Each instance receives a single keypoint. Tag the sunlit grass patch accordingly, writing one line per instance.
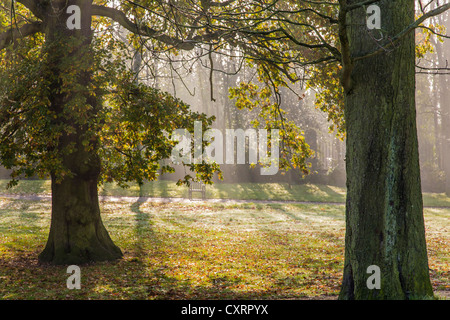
(437, 222)
(240, 191)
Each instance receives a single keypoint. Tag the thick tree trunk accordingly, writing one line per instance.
(384, 210)
(77, 234)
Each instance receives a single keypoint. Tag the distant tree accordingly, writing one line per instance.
(441, 71)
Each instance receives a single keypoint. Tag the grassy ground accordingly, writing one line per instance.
(242, 191)
(199, 251)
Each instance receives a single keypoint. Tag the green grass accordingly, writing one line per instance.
(26, 187)
(198, 251)
(164, 188)
(239, 191)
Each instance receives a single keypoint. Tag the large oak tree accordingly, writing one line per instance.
(70, 108)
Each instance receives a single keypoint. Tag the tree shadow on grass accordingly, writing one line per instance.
(165, 287)
(331, 195)
(143, 228)
(281, 208)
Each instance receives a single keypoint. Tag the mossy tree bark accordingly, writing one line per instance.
(384, 210)
(77, 234)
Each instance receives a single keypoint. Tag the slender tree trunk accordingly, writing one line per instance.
(444, 101)
(384, 210)
(77, 234)
(445, 129)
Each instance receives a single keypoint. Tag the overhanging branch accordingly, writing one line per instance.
(7, 37)
(120, 17)
(35, 6)
(143, 30)
(392, 41)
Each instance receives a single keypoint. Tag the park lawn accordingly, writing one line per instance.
(198, 250)
(239, 191)
(169, 189)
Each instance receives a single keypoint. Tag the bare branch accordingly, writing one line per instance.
(120, 17)
(434, 32)
(221, 4)
(143, 30)
(321, 3)
(434, 70)
(411, 27)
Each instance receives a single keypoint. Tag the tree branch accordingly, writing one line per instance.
(434, 70)
(7, 37)
(143, 30)
(120, 17)
(346, 59)
(411, 27)
(359, 4)
(35, 6)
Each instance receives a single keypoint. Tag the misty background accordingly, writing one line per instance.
(190, 79)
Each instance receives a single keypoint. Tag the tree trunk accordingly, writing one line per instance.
(445, 129)
(77, 234)
(384, 210)
(444, 102)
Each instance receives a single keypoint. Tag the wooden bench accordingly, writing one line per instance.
(197, 186)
